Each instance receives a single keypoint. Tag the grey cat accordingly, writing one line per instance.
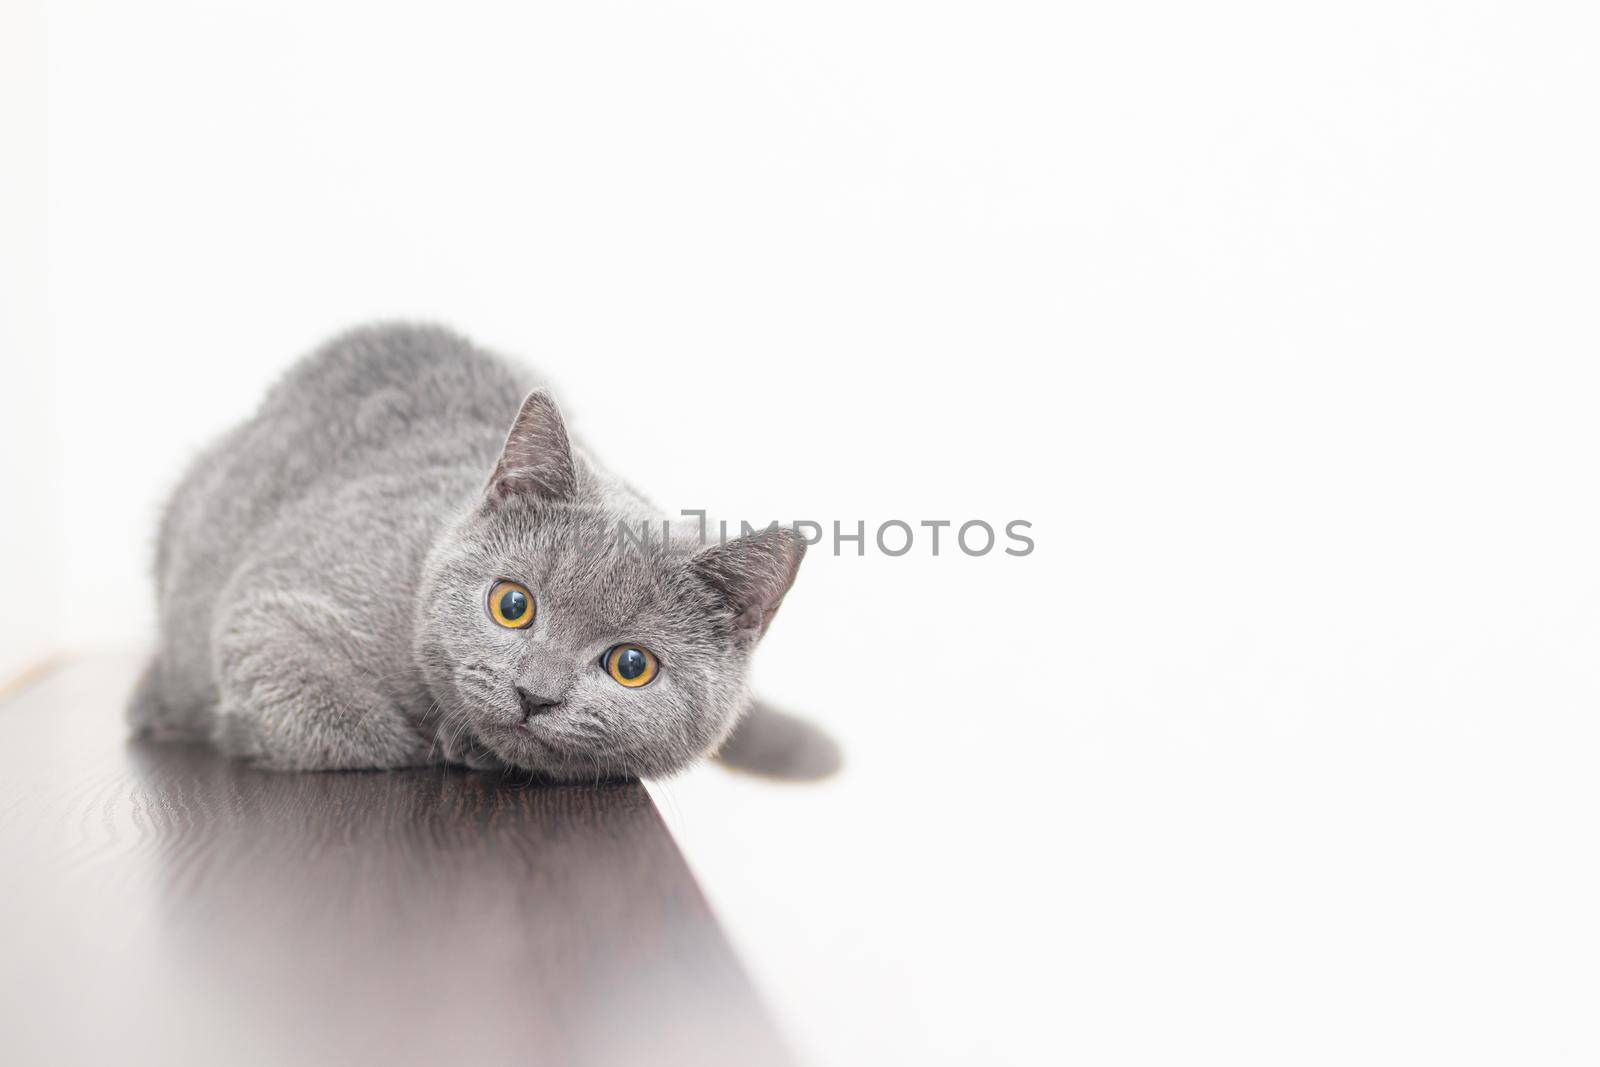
(371, 573)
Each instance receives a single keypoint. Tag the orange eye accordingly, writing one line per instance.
(631, 665)
(511, 605)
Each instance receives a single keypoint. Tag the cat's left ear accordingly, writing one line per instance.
(752, 574)
(537, 459)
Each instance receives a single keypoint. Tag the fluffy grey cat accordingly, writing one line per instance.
(370, 572)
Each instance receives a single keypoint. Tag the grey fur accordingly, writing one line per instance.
(322, 572)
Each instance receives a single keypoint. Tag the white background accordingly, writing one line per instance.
(1278, 322)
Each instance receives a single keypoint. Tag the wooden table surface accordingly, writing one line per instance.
(161, 905)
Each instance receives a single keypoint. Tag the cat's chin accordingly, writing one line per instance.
(520, 747)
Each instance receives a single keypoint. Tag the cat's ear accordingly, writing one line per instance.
(536, 460)
(751, 574)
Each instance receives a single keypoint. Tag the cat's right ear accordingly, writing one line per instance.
(536, 460)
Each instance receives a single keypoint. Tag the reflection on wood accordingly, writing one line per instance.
(163, 904)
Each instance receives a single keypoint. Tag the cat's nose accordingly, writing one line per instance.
(534, 704)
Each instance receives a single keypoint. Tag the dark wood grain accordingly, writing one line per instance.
(162, 905)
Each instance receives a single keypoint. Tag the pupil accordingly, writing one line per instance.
(630, 663)
(513, 605)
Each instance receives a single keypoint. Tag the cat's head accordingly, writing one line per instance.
(561, 648)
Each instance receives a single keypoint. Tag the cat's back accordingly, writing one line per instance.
(374, 401)
(376, 378)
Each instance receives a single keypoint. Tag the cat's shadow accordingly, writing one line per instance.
(781, 746)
